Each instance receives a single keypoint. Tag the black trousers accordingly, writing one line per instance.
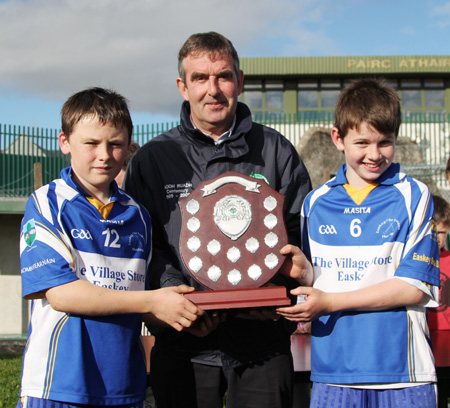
(181, 384)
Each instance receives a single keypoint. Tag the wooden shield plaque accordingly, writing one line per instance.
(232, 232)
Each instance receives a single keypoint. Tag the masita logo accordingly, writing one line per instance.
(327, 229)
(357, 210)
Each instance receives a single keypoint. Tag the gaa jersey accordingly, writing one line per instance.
(390, 233)
(95, 360)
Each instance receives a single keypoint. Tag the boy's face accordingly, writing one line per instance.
(442, 232)
(97, 154)
(368, 153)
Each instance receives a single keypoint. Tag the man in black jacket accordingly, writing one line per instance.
(250, 358)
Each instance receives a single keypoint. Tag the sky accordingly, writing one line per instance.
(50, 49)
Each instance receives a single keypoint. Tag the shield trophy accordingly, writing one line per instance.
(231, 235)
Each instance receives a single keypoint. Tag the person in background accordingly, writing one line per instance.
(439, 318)
(370, 235)
(447, 176)
(250, 358)
(131, 151)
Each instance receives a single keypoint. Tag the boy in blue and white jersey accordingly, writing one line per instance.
(371, 238)
(85, 249)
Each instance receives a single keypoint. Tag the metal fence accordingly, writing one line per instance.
(22, 147)
(429, 130)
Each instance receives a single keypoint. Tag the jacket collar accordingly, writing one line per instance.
(242, 126)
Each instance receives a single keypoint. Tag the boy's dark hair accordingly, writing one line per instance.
(105, 105)
(211, 43)
(441, 210)
(368, 100)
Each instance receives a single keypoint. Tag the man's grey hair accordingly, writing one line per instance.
(213, 44)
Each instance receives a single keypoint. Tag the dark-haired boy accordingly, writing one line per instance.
(85, 249)
(375, 263)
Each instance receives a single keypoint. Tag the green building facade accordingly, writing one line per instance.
(308, 87)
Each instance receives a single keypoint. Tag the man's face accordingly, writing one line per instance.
(212, 89)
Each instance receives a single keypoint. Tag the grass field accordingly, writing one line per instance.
(10, 367)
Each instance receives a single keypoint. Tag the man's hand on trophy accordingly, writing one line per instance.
(297, 265)
(258, 314)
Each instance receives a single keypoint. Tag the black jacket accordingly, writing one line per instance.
(168, 168)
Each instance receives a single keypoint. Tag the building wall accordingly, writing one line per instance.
(9, 244)
(14, 309)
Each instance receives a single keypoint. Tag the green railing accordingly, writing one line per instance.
(22, 148)
(27, 151)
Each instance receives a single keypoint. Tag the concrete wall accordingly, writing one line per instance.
(14, 316)
(9, 244)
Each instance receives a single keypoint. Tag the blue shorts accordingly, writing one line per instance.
(30, 402)
(329, 396)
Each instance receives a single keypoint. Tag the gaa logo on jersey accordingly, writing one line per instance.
(81, 234)
(327, 229)
(29, 232)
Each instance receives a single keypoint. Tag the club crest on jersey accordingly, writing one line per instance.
(137, 242)
(388, 228)
(29, 232)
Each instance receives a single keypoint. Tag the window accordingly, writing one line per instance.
(411, 99)
(422, 94)
(253, 99)
(265, 99)
(274, 100)
(329, 98)
(317, 94)
(434, 98)
(434, 93)
(308, 99)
